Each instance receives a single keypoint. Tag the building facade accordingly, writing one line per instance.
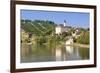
(61, 28)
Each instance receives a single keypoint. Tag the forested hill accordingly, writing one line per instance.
(38, 27)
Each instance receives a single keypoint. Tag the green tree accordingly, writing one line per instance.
(83, 38)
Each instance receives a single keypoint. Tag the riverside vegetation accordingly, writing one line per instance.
(43, 32)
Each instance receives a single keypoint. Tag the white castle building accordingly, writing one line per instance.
(59, 29)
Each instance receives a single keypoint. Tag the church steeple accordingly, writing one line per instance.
(64, 22)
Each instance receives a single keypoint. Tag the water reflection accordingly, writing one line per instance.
(43, 53)
(73, 53)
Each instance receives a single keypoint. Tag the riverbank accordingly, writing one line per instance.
(79, 45)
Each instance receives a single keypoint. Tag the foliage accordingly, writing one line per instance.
(38, 27)
(83, 38)
(44, 32)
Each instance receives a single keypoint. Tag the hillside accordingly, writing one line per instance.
(38, 27)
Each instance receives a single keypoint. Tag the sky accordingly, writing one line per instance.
(74, 19)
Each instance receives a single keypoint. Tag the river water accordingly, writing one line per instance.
(43, 53)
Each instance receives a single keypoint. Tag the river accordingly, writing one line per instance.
(43, 53)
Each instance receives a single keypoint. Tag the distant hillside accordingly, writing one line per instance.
(38, 27)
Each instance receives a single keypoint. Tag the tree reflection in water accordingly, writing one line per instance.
(43, 53)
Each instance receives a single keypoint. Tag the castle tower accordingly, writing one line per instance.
(64, 23)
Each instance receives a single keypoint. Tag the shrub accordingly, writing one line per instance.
(83, 38)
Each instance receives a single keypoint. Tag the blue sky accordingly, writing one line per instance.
(74, 19)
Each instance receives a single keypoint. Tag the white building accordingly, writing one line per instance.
(59, 29)
(70, 41)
